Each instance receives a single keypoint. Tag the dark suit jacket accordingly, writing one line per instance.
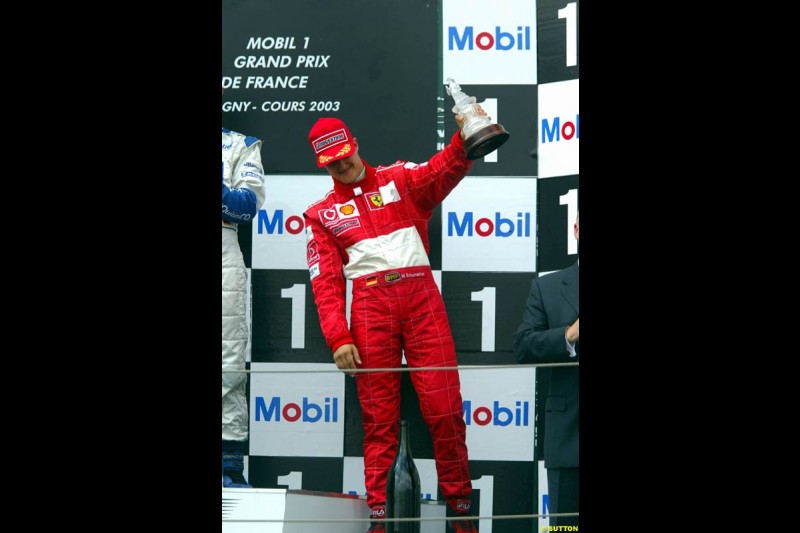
(552, 307)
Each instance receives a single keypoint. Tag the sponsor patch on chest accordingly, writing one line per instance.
(338, 212)
(344, 226)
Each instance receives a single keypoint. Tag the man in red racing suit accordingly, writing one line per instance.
(372, 228)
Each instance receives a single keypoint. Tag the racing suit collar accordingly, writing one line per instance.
(351, 190)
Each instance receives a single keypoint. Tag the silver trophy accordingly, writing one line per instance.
(481, 137)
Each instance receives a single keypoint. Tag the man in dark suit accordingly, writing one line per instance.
(549, 334)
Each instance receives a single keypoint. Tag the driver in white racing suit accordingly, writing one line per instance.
(243, 194)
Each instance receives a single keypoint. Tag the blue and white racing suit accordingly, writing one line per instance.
(243, 194)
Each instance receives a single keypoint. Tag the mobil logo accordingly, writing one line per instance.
(498, 225)
(467, 38)
(557, 128)
(278, 222)
(497, 415)
(278, 409)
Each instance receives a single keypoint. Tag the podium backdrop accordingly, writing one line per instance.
(381, 66)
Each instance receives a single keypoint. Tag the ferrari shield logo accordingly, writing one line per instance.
(376, 199)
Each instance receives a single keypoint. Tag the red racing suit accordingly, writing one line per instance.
(376, 231)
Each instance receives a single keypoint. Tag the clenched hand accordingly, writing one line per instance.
(346, 356)
(573, 332)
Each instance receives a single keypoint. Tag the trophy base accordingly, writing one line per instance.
(485, 141)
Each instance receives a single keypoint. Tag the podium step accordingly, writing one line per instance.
(273, 511)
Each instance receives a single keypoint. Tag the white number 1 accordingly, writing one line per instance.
(487, 296)
(571, 201)
(570, 13)
(297, 293)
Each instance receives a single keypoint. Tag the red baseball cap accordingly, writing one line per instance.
(331, 140)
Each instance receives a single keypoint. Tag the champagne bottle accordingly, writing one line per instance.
(403, 488)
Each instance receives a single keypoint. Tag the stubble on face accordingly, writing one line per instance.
(345, 170)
